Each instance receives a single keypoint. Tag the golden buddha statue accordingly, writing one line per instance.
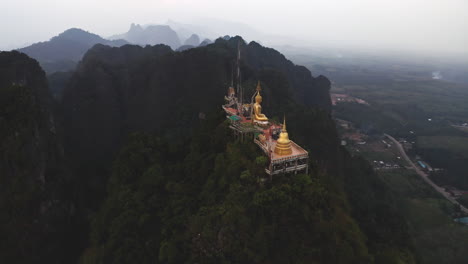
(257, 107)
(283, 144)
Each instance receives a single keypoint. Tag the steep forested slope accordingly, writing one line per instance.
(203, 202)
(160, 178)
(37, 216)
(117, 90)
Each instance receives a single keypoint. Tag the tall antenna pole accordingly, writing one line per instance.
(232, 75)
(239, 88)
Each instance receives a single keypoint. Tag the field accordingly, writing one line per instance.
(406, 100)
(449, 153)
(458, 145)
(437, 238)
(375, 151)
(461, 128)
(422, 112)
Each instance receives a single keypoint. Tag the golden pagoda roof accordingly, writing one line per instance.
(283, 144)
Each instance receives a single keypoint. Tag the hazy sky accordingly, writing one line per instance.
(426, 25)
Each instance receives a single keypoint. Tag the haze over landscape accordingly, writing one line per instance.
(155, 131)
(425, 26)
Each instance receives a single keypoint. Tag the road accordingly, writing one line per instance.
(424, 176)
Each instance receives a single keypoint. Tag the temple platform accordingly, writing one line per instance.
(285, 156)
(296, 162)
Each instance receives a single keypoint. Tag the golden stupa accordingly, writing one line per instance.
(283, 144)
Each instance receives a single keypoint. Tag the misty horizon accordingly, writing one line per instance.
(425, 27)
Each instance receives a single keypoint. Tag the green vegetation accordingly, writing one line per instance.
(213, 207)
(459, 145)
(376, 210)
(152, 174)
(406, 106)
(36, 214)
(463, 200)
(432, 98)
(16, 127)
(422, 111)
(438, 239)
(448, 152)
(403, 98)
(384, 156)
(369, 119)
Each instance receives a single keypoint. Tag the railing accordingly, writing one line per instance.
(285, 170)
(290, 158)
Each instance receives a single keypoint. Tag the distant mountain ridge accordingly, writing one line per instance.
(150, 35)
(193, 40)
(205, 42)
(63, 52)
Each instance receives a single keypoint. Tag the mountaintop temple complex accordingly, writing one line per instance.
(248, 122)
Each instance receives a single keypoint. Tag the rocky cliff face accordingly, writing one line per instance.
(35, 208)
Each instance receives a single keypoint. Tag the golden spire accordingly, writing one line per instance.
(258, 86)
(283, 144)
(284, 123)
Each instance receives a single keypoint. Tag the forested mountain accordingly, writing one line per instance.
(151, 35)
(62, 52)
(37, 213)
(118, 90)
(160, 178)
